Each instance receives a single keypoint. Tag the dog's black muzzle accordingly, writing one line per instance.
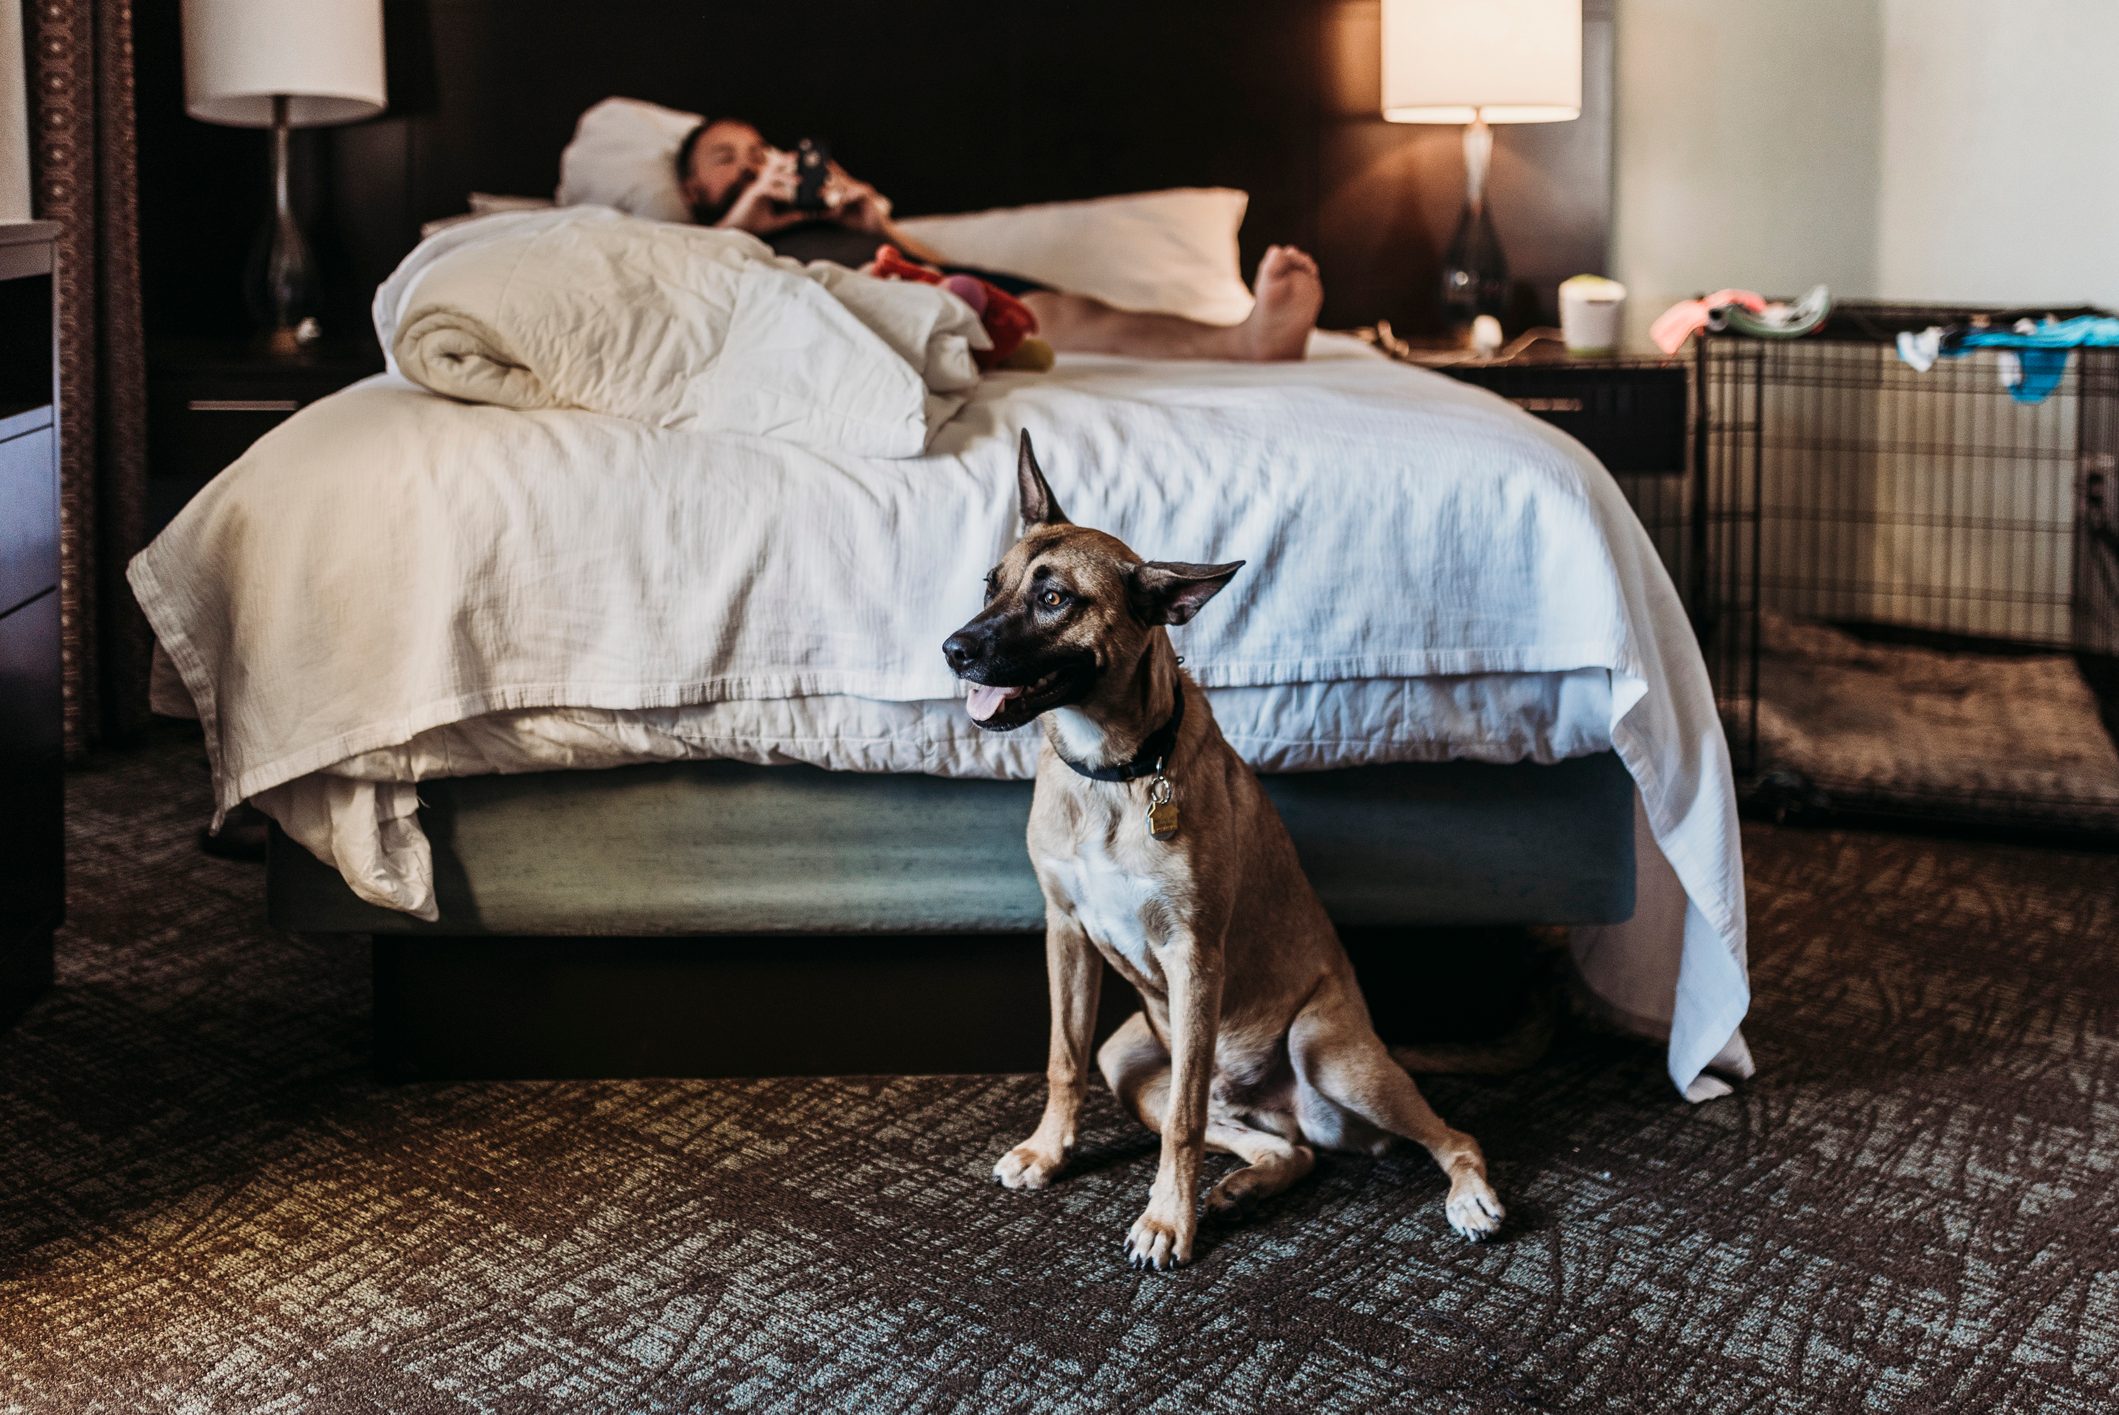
(966, 649)
(991, 652)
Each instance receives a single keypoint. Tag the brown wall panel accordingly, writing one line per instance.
(945, 104)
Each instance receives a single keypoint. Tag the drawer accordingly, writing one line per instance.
(192, 437)
(1632, 419)
(29, 517)
(195, 435)
(32, 825)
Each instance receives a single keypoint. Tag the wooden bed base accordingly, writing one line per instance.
(711, 918)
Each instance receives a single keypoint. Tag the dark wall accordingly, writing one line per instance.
(944, 104)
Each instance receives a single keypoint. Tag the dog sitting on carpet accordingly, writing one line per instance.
(1156, 848)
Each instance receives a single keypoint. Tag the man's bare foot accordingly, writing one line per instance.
(1290, 292)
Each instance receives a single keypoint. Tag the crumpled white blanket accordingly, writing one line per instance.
(677, 327)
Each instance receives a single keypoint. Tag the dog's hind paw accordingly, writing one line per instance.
(1474, 1209)
(1242, 1189)
(1237, 1192)
(1026, 1167)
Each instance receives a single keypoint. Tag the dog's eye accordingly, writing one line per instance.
(1052, 599)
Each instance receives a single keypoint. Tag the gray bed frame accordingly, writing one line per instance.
(714, 918)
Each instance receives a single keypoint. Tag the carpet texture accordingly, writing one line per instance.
(206, 1204)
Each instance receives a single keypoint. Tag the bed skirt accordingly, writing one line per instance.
(719, 919)
(707, 848)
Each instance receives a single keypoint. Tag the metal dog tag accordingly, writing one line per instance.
(1162, 811)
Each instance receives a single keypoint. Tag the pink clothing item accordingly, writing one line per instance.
(1688, 317)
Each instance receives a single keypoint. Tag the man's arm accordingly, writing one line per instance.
(762, 208)
(858, 206)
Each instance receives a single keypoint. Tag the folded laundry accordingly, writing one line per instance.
(1777, 320)
(1688, 317)
(2034, 352)
(1745, 311)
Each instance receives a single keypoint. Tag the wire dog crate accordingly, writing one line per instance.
(1884, 563)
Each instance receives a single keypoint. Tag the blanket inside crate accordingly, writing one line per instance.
(1848, 723)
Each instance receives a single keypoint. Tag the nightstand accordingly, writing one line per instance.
(1633, 411)
(209, 399)
(32, 786)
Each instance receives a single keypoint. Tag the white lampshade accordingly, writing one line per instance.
(326, 56)
(1508, 61)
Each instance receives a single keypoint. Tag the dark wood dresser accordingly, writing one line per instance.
(32, 820)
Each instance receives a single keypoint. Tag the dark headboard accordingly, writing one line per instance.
(947, 105)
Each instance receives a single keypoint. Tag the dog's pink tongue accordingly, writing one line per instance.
(986, 700)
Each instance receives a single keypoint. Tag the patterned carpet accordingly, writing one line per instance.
(206, 1204)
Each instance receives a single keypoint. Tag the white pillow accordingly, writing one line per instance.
(624, 154)
(486, 203)
(1172, 251)
(483, 204)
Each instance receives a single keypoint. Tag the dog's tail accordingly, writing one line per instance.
(1521, 1047)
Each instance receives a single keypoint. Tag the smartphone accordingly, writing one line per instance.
(812, 169)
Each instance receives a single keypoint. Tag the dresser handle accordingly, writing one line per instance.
(1548, 405)
(242, 405)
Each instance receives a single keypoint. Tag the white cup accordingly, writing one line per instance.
(1592, 310)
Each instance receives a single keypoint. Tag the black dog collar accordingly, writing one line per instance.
(1153, 753)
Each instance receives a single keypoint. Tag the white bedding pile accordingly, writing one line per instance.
(388, 563)
(677, 327)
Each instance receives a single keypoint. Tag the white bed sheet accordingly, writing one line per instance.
(388, 562)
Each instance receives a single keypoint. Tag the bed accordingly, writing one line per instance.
(395, 587)
(649, 713)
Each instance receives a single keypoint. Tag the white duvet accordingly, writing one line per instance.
(677, 326)
(388, 563)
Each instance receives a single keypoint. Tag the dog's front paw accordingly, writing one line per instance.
(1029, 1166)
(1474, 1208)
(1159, 1242)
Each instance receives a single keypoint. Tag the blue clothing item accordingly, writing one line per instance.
(2041, 349)
(2031, 375)
(2087, 331)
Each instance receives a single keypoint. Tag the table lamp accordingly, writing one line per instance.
(283, 64)
(1479, 62)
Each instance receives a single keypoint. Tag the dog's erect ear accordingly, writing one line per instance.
(1039, 507)
(1171, 592)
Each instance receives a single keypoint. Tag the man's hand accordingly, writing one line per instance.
(856, 205)
(762, 208)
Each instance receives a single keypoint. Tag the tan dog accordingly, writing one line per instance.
(1157, 849)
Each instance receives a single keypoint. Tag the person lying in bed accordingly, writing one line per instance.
(732, 178)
